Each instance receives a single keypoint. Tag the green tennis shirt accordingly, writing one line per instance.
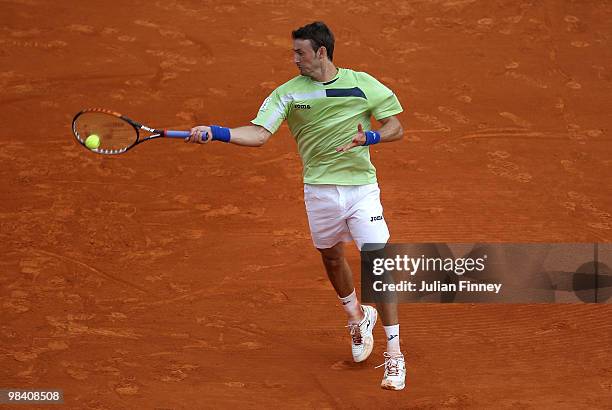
(324, 116)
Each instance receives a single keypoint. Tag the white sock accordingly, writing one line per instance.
(393, 340)
(352, 307)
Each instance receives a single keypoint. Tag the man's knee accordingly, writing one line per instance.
(333, 262)
(333, 257)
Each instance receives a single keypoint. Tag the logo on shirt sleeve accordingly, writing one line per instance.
(264, 105)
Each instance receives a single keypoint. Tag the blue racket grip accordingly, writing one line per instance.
(180, 134)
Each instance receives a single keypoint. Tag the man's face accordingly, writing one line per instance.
(305, 58)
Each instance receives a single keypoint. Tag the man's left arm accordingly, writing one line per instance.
(390, 131)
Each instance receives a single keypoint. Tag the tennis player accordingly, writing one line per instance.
(328, 110)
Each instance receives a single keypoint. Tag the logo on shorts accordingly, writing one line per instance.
(302, 106)
(376, 218)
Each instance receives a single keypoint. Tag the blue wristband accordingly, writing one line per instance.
(372, 137)
(220, 133)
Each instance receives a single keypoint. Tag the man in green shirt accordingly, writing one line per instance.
(328, 110)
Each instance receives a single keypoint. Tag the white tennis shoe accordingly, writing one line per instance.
(362, 340)
(395, 372)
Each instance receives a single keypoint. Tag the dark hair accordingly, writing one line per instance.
(319, 35)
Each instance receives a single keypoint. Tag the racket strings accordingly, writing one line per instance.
(115, 135)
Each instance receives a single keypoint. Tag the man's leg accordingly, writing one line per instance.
(361, 319)
(367, 226)
(325, 209)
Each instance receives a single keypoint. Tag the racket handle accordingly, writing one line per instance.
(176, 134)
(179, 134)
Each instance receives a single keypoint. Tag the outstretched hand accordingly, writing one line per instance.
(358, 140)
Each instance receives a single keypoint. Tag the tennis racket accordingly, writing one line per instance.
(116, 132)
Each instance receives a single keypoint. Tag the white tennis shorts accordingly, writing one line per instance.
(341, 213)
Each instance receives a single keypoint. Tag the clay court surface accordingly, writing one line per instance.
(181, 276)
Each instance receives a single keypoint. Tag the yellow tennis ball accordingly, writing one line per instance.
(92, 142)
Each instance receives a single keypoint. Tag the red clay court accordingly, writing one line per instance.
(181, 276)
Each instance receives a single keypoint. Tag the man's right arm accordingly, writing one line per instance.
(248, 136)
(271, 114)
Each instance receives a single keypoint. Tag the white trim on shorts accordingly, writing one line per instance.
(341, 213)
